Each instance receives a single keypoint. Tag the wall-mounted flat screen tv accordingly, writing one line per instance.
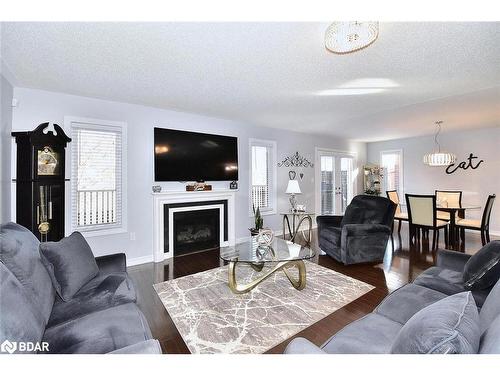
(188, 156)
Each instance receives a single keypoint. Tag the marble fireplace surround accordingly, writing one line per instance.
(171, 197)
(211, 319)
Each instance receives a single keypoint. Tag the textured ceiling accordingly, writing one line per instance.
(269, 74)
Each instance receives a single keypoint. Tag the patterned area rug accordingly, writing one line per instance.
(211, 319)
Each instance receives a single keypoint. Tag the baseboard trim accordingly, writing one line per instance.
(139, 260)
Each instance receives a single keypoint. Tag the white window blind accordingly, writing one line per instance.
(392, 162)
(263, 188)
(96, 177)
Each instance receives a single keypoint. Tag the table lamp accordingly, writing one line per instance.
(292, 189)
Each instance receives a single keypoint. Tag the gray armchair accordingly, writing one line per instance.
(360, 235)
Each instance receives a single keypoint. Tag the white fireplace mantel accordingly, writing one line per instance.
(169, 197)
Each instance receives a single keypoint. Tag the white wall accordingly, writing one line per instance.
(36, 106)
(6, 93)
(476, 184)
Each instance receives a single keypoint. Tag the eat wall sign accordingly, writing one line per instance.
(470, 162)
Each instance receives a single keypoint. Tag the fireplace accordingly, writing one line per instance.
(192, 206)
(196, 230)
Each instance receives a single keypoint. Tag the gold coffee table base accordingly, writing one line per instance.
(297, 284)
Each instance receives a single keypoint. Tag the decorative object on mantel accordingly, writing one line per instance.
(292, 189)
(347, 37)
(438, 158)
(198, 186)
(295, 160)
(258, 220)
(233, 185)
(156, 189)
(452, 168)
(40, 180)
(372, 176)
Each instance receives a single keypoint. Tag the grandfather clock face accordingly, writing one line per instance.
(48, 162)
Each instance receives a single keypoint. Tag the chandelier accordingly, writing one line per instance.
(347, 37)
(439, 159)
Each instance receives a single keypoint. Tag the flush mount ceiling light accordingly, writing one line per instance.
(347, 37)
(438, 158)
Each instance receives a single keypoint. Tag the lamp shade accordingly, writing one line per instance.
(293, 187)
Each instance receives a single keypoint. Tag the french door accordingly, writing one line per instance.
(335, 181)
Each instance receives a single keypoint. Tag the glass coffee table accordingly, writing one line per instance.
(280, 254)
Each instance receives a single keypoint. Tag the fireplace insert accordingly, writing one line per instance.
(196, 230)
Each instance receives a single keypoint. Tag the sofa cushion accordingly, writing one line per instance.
(490, 340)
(441, 279)
(99, 332)
(449, 326)
(448, 282)
(405, 302)
(19, 253)
(102, 292)
(372, 334)
(482, 270)
(19, 319)
(70, 263)
(491, 308)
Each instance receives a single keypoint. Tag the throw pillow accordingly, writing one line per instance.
(482, 270)
(70, 263)
(448, 326)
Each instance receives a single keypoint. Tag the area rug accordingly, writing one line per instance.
(211, 319)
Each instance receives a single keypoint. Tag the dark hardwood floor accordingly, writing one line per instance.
(399, 267)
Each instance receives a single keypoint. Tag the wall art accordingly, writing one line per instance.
(296, 160)
(469, 163)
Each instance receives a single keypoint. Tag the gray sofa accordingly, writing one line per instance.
(361, 235)
(101, 318)
(376, 332)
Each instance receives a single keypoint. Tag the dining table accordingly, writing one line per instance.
(455, 211)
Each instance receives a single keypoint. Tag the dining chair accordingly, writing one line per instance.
(452, 198)
(400, 215)
(422, 216)
(482, 225)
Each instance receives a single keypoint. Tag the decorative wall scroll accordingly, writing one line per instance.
(296, 160)
(469, 163)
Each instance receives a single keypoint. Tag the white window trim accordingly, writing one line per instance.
(99, 125)
(274, 175)
(317, 171)
(401, 191)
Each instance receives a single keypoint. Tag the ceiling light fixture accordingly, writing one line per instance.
(347, 37)
(438, 158)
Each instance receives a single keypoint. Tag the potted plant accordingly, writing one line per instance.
(259, 222)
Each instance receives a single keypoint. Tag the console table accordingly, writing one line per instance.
(298, 217)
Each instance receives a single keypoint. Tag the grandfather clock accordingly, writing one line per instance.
(40, 180)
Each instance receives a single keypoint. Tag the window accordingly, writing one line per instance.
(263, 176)
(97, 175)
(392, 163)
